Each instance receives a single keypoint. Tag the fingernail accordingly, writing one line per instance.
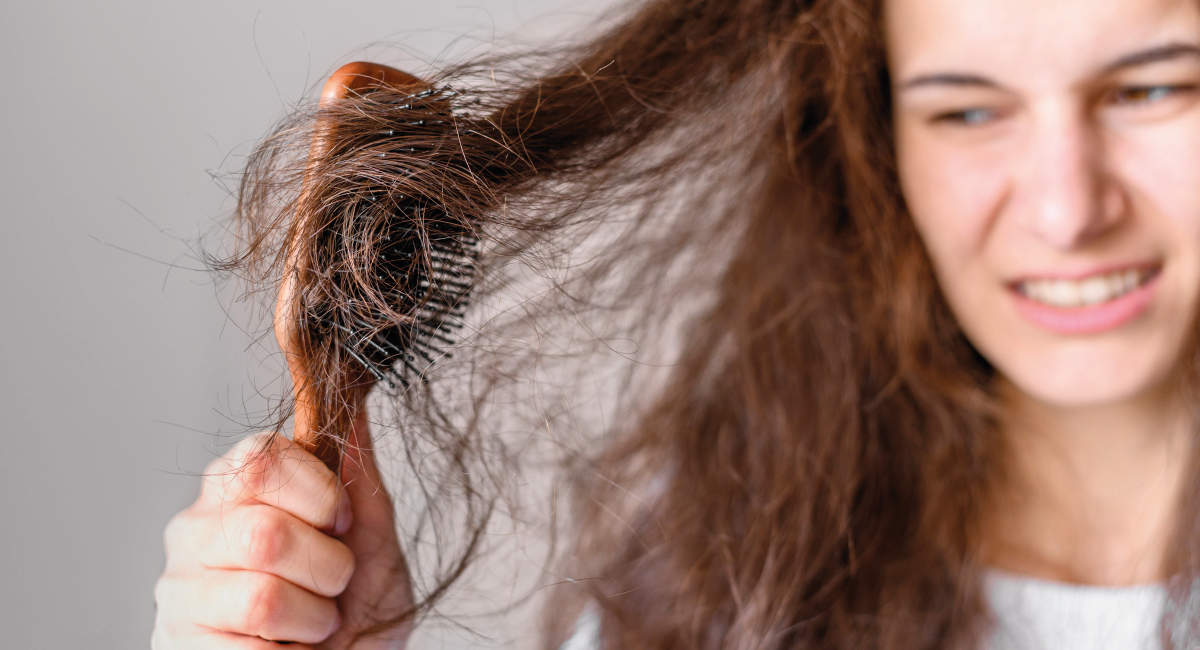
(345, 515)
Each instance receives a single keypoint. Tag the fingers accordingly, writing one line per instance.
(249, 603)
(273, 470)
(248, 563)
(262, 538)
(379, 589)
(226, 641)
(364, 485)
(254, 561)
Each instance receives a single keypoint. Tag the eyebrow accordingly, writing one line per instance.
(949, 79)
(1157, 54)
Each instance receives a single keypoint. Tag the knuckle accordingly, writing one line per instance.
(182, 532)
(221, 481)
(217, 465)
(171, 609)
(259, 602)
(175, 532)
(252, 445)
(328, 499)
(243, 471)
(161, 638)
(162, 594)
(252, 474)
(265, 539)
(347, 562)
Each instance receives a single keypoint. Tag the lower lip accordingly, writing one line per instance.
(1092, 319)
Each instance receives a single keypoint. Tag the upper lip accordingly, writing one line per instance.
(1080, 274)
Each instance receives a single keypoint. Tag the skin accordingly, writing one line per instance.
(1053, 139)
(277, 548)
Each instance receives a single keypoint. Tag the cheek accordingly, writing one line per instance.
(1160, 169)
(953, 195)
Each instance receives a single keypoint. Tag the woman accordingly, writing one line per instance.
(939, 394)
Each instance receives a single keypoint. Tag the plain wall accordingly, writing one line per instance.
(125, 367)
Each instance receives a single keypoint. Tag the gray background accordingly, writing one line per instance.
(124, 369)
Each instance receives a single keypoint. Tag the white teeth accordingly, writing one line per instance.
(1094, 290)
(1087, 291)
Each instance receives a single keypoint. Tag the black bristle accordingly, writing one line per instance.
(426, 261)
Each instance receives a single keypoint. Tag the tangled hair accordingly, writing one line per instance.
(795, 454)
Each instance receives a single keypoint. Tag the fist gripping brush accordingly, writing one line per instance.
(377, 269)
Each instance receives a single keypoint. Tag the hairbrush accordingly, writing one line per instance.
(392, 313)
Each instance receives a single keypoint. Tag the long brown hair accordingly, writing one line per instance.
(806, 469)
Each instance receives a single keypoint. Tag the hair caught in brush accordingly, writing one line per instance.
(412, 212)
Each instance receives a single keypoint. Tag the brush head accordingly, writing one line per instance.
(408, 312)
(379, 269)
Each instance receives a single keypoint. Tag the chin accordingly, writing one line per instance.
(1082, 376)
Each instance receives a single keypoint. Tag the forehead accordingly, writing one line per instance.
(1030, 39)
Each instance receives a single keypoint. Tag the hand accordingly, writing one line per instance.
(276, 548)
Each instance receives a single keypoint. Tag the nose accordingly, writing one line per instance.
(1070, 196)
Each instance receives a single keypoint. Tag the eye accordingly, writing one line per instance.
(968, 117)
(1142, 95)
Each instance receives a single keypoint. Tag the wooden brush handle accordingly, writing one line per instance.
(359, 75)
(351, 79)
(348, 80)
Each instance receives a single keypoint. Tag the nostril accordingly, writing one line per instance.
(1066, 190)
(1070, 213)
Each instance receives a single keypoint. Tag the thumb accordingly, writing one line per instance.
(379, 592)
(369, 498)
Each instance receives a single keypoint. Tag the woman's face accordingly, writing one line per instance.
(1049, 152)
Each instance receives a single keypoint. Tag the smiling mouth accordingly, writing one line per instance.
(1095, 289)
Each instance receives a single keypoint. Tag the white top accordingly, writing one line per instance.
(1033, 615)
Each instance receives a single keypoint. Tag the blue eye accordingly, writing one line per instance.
(1147, 94)
(977, 116)
(969, 117)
